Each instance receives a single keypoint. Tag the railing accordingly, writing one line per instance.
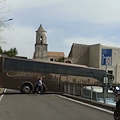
(91, 92)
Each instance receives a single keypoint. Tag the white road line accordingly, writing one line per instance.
(86, 104)
(2, 95)
(4, 90)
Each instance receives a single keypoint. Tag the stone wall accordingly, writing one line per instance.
(94, 56)
(79, 54)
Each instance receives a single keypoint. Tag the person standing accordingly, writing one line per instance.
(40, 85)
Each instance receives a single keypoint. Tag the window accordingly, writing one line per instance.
(41, 39)
(110, 72)
(18, 64)
(60, 69)
(51, 59)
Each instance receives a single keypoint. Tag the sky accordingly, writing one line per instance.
(66, 22)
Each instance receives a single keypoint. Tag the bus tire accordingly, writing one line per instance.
(26, 88)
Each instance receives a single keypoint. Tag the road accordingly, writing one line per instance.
(16, 106)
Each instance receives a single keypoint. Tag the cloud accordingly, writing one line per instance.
(90, 41)
(31, 4)
(92, 11)
(90, 20)
(95, 11)
(23, 38)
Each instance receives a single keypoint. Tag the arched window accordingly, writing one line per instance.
(41, 40)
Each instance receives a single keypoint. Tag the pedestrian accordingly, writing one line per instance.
(40, 85)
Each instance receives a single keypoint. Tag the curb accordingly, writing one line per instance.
(91, 102)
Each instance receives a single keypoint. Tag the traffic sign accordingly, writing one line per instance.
(106, 58)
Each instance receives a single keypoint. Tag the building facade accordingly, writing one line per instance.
(97, 56)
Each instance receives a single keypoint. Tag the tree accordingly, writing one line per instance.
(4, 8)
(11, 53)
(1, 51)
(60, 59)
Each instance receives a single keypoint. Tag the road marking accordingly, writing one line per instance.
(102, 109)
(2, 95)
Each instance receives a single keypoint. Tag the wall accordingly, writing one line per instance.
(91, 55)
(79, 54)
(94, 57)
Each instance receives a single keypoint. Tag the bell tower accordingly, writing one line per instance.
(41, 44)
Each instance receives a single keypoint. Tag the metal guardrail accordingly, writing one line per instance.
(78, 91)
(83, 90)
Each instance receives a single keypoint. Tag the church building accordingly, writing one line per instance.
(41, 48)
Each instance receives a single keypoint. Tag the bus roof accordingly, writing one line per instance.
(67, 64)
(52, 62)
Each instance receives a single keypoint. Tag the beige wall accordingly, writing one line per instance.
(115, 56)
(117, 75)
(94, 57)
(80, 54)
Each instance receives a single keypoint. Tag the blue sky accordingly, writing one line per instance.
(66, 22)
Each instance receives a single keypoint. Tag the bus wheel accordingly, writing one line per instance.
(26, 88)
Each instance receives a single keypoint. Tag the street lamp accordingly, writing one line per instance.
(6, 20)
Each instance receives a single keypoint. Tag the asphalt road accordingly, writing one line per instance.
(16, 106)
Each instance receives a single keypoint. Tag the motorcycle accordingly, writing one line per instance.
(39, 89)
(117, 100)
(116, 114)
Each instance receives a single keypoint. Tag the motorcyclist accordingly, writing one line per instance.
(118, 105)
(117, 109)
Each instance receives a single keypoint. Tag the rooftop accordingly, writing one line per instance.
(55, 54)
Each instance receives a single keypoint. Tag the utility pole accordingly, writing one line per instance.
(105, 88)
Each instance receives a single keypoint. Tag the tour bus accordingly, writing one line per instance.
(22, 74)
